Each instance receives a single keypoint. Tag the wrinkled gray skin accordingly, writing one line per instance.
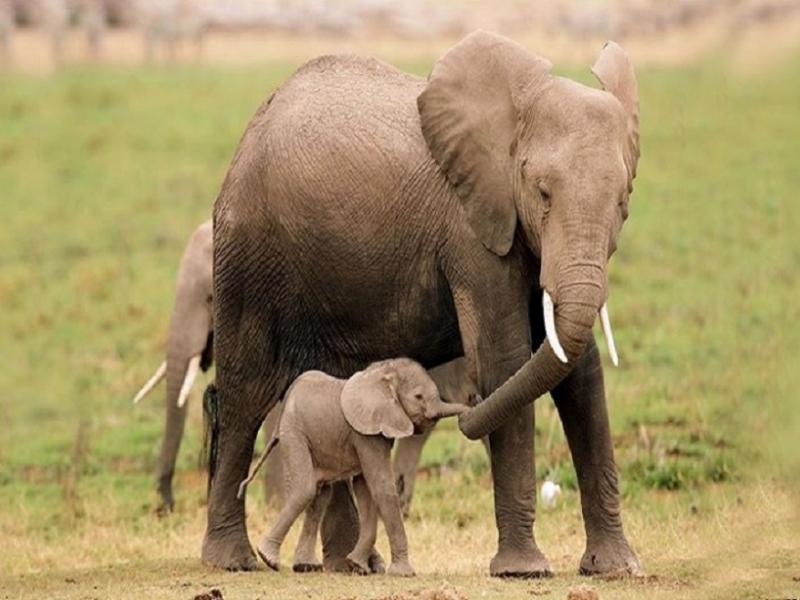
(190, 337)
(334, 430)
(369, 213)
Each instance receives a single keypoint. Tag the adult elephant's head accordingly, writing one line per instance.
(555, 158)
(189, 345)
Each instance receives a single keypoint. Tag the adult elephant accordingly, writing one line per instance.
(369, 214)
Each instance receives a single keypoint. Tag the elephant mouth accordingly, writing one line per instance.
(551, 331)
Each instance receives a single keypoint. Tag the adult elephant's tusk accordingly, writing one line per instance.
(151, 383)
(191, 373)
(550, 327)
(605, 321)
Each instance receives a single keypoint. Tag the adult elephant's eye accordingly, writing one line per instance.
(544, 191)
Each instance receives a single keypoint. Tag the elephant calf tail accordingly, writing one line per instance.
(264, 455)
(243, 486)
(211, 429)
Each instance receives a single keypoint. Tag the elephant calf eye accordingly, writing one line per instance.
(418, 396)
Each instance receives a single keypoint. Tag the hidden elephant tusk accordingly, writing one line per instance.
(151, 383)
(605, 321)
(191, 373)
(550, 327)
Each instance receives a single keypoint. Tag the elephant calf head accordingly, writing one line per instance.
(396, 398)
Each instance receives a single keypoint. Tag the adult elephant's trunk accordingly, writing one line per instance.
(570, 326)
(188, 351)
(177, 368)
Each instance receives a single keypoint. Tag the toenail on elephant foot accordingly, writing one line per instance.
(306, 567)
(226, 551)
(610, 559)
(522, 564)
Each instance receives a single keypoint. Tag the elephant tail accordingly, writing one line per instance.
(264, 455)
(211, 429)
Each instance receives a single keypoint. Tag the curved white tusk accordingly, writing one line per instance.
(191, 373)
(550, 327)
(605, 321)
(151, 383)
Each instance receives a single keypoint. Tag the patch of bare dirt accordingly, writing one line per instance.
(213, 594)
(582, 592)
(445, 592)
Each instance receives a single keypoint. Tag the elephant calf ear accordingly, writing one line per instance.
(371, 407)
(615, 72)
(469, 113)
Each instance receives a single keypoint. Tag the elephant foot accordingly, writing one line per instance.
(528, 563)
(401, 568)
(611, 557)
(230, 551)
(376, 563)
(336, 565)
(358, 564)
(270, 553)
(307, 567)
(305, 561)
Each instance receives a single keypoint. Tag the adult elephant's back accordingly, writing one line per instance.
(336, 198)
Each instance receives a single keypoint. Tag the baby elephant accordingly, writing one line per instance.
(335, 429)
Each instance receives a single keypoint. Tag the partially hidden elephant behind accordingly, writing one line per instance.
(368, 213)
(190, 350)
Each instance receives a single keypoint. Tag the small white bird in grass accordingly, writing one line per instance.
(549, 493)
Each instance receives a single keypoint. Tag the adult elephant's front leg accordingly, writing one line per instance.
(499, 351)
(581, 403)
(514, 475)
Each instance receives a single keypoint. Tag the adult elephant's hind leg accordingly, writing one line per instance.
(226, 544)
(581, 403)
(340, 528)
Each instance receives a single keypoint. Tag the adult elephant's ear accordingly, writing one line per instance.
(469, 113)
(615, 71)
(371, 406)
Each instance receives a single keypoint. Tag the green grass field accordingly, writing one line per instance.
(103, 175)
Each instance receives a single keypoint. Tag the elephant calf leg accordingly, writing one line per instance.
(305, 556)
(301, 489)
